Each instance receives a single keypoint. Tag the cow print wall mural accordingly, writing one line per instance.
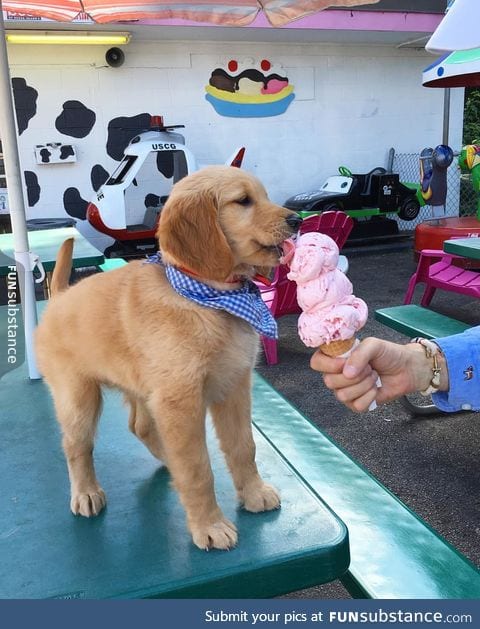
(66, 150)
(123, 129)
(98, 177)
(74, 205)
(76, 120)
(45, 155)
(25, 99)
(33, 188)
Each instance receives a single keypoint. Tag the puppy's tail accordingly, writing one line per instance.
(63, 268)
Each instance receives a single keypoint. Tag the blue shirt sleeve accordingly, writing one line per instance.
(462, 355)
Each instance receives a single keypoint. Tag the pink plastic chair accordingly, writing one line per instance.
(435, 269)
(337, 225)
(281, 295)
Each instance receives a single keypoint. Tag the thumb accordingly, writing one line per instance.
(361, 356)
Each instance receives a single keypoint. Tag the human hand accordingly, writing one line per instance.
(402, 369)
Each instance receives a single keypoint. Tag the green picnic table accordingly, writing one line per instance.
(139, 547)
(46, 243)
(466, 247)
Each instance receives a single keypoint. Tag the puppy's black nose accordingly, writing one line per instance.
(294, 221)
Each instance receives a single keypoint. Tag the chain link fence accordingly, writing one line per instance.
(461, 197)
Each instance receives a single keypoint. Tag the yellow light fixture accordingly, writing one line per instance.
(67, 38)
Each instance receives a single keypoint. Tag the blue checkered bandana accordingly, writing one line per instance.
(245, 302)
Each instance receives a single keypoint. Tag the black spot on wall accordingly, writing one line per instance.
(65, 151)
(98, 177)
(165, 163)
(25, 98)
(75, 120)
(33, 187)
(152, 200)
(45, 155)
(74, 204)
(122, 130)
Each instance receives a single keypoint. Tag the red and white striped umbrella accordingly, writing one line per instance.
(221, 12)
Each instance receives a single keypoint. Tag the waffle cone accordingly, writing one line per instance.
(337, 348)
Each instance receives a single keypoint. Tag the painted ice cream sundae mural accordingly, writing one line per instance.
(249, 89)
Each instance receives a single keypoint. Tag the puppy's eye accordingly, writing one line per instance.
(244, 201)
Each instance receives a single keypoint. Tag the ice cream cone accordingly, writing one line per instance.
(325, 296)
(338, 348)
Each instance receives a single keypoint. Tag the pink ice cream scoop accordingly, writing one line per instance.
(312, 256)
(330, 311)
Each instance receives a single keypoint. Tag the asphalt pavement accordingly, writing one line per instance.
(431, 464)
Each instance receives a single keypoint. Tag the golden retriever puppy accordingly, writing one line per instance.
(172, 357)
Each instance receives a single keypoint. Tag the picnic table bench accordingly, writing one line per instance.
(413, 320)
(141, 544)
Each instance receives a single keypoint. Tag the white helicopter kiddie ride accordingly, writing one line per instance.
(128, 205)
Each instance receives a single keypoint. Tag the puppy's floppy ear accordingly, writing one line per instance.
(190, 234)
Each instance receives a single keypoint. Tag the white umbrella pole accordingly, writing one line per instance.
(23, 258)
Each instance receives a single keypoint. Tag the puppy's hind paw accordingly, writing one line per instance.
(260, 497)
(88, 504)
(221, 534)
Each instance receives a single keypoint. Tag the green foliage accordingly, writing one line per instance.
(471, 116)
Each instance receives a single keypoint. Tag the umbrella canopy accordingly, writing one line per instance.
(458, 34)
(459, 29)
(457, 69)
(220, 12)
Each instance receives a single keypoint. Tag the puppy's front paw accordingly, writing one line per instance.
(221, 534)
(260, 497)
(88, 504)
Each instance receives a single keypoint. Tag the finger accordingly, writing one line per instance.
(326, 364)
(350, 394)
(362, 355)
(338, 380)
(362, 404)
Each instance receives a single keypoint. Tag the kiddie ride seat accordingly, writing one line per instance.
(432, 233)
(376, 193)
